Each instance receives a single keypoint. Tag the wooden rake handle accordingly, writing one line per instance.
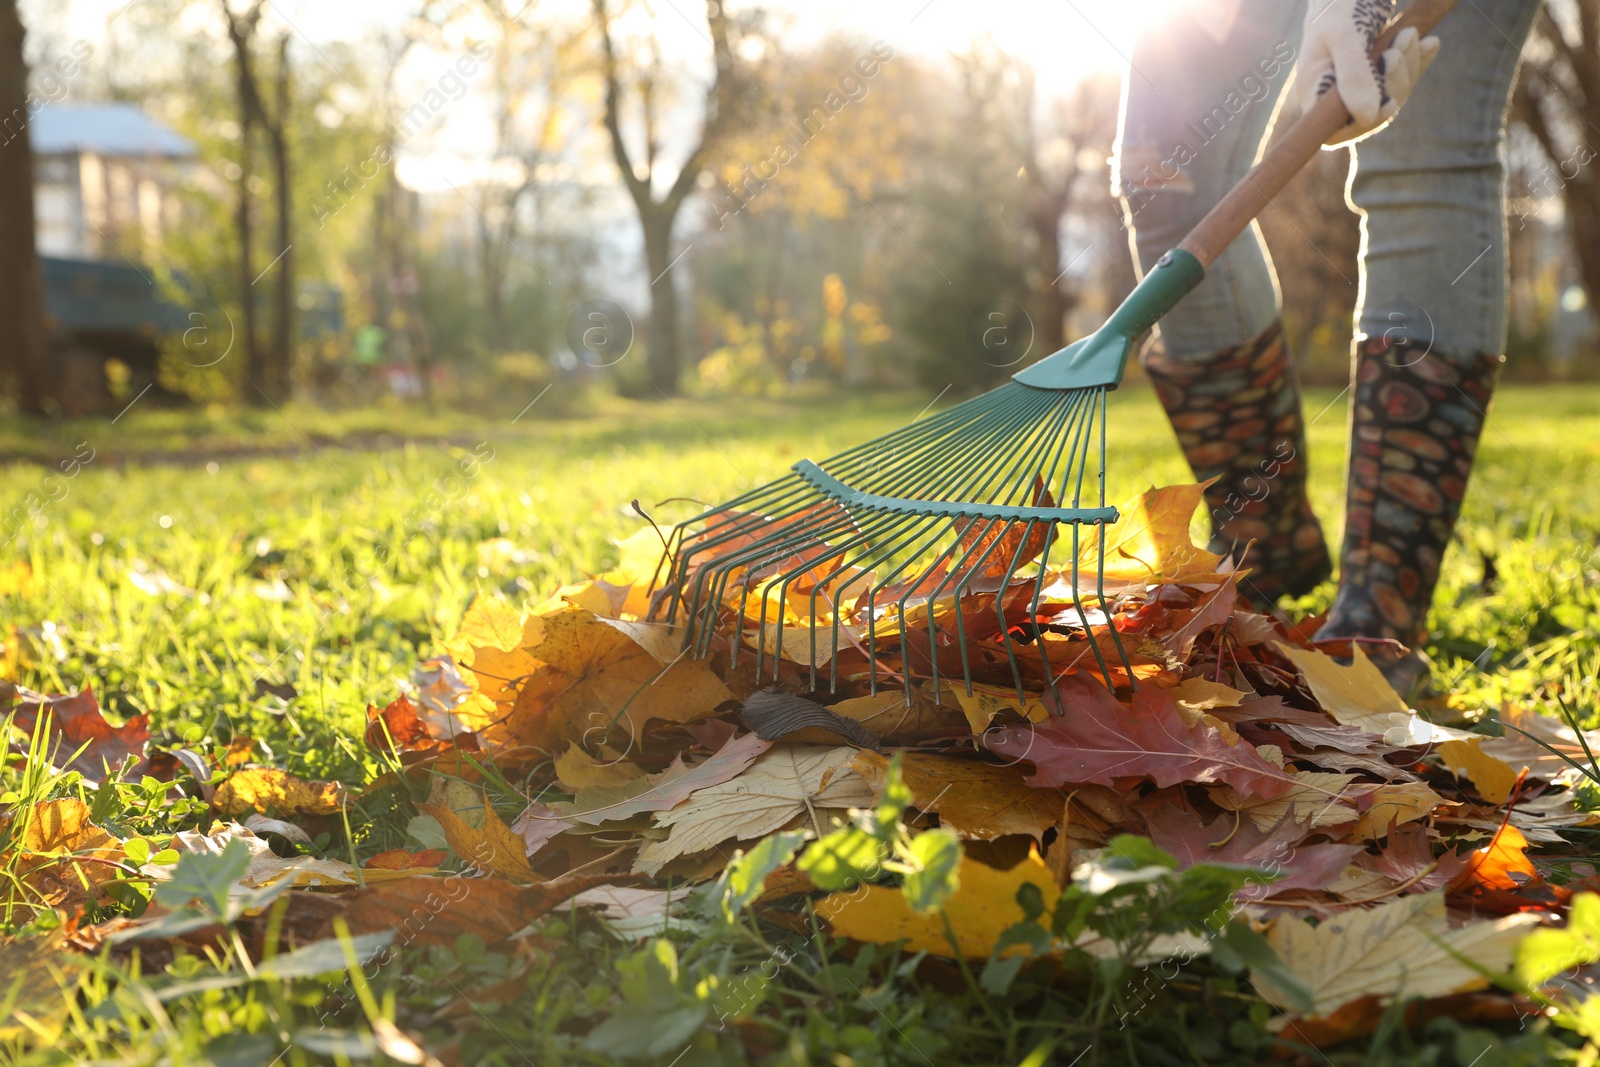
(1297, 147)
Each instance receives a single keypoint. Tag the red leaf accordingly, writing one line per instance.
(1227, 839)
(1093, 738)
(76, 720)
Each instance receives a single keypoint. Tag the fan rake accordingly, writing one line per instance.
(903, 532)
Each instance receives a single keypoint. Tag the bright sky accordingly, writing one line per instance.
(1063, 40)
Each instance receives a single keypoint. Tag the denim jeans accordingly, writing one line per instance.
(1198, 103)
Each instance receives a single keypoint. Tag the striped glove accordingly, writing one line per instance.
(1334, 51)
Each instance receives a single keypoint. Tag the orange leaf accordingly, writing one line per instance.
(398, 859)
(1501, 864)
(436, 911)
(599, 681)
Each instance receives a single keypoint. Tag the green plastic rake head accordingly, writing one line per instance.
(860, 551)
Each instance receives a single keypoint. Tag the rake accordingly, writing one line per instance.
(895, 536)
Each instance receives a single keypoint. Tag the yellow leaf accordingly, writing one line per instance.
(1492, 778)
(1202, 694)
(599, 681)
(266, 789)
(986, 701)
(1397, 803)
(983, 907)
(1359, 695)
(492, 847)
(977, 800)
(576, 769)
(490, 622)
(17, 579)
(1403, 946)
(1151, 541)
(586, 595)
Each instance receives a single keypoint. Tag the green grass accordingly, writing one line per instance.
(199, 557)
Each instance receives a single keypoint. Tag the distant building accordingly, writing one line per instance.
(105, 176)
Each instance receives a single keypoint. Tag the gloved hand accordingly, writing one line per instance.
(1334, 49)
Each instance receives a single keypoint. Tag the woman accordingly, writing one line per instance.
(1428, 182)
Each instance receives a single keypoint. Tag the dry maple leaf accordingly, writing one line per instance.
(1150, 541)
(1359, 695)
(76, 721)
(1279, 850)
(64, 857)
(990, 549)
(776, 789)
(658, 792)
(983, 906)
(267, 789)
(437, 911)
(977, 800)
(1095, 738)
(599, 681)
(398, 727)
(1316, 799)
(492, 847)
(1393, 804)
(1493, 778)
(1402, 946)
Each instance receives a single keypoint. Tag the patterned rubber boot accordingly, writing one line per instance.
(1416, 417)
(1237, 417)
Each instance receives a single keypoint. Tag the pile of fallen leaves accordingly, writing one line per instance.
(1379, 852)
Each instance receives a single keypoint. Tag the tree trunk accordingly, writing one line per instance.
(24, 354)
(663, 352)
(281, 360)
(1051, 330)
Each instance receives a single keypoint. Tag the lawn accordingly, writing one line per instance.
(269, 577)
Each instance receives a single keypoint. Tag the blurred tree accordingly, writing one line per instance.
(1558, 100)
(962, 283)
(643, 71)
(1064, 152)
(790, 204)
(268, 368)
(24, 357)
(534, 78)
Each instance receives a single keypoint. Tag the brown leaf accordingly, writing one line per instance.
(436, 911)
(269, 790)
(76, 721)
(975, 799)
